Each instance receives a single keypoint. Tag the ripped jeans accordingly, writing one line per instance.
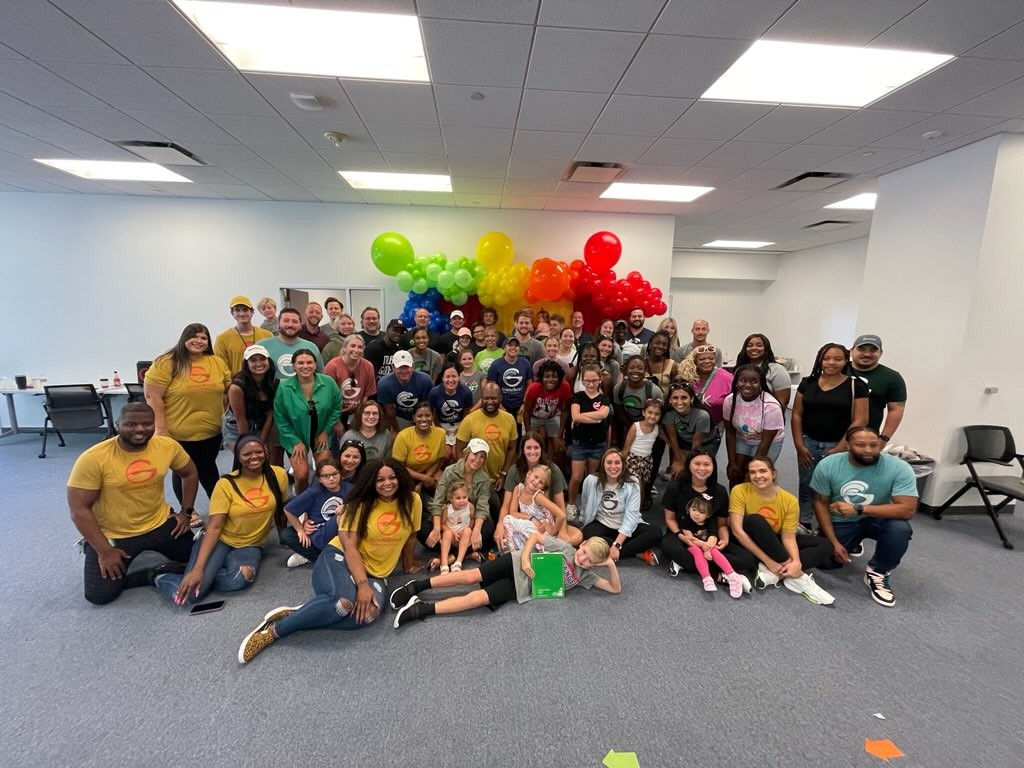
(334, 598)
(223, 571)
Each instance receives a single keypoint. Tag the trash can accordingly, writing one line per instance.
(923, 469)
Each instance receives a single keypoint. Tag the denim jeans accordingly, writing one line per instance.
(818, 449)
(892, 537)
(332, 583)
(290, 539)
(223, 571)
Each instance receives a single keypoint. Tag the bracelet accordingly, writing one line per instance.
(884, 438)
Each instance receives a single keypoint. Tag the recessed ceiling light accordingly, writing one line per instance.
(777, 72)
(111, 170)
(864, 202)
(476, 96)
(669, 193)
(408, 182)
(929, 135)
(736, 244)
(312, 41)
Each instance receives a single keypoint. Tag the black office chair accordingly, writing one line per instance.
(71, 408)
(991, 445)
(135, 393)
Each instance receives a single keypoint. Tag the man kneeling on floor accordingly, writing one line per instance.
(866, 494)
(116, 497)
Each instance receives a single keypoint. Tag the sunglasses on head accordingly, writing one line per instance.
(352, 444)
(705, 348)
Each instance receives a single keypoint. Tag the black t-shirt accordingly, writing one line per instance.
(884, 386)
(678, 495)
(379, 354)
(590, 434)
(828, 414)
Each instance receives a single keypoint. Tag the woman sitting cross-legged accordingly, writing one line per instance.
(508, 578)
(381, 515)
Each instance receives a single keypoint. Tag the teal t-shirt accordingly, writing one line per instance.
(281, 354)
(840, 480)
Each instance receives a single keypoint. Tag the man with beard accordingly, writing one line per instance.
(400, 391)
(116, 497)
(446, 341)
(311, 330)
(887, 391)
(370, 320)
(513, 374)
(493, 425)
(422, 322)
(698, 338)
(380, 352)
(287, 343)
(864, 493)
(636, 335)
(354, 376)
(334, 309)
(529, 348)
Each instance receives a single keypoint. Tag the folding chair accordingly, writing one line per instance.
(71, 408)
(135, 393)
(991, 445)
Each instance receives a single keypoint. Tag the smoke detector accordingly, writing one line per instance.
(336, 138)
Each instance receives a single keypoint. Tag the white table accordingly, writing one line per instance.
(10, 393)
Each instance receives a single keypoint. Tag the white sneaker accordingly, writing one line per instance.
(805, 586)
(709, 585)
(735, 582)
(572, 514)
(765, 578)
(296, 560)
(674, 569)
(744, 582)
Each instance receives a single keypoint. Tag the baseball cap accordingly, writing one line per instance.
(457, 313)
(255, 349)
(511, 340)
(401, 359)
(396, 323)
(465, 332)
(866, 339)
(476, 445)
(240, 301)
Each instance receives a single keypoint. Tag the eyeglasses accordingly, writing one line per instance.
(591, 381)
(705, 348)
(329, 475)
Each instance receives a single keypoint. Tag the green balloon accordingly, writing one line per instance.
(405, 281)
(463, 278)
(391, 253)
(432, 271)
(445, 280)
(420, 286)
(459, 298)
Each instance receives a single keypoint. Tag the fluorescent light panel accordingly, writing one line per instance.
(778, 72)
(736, 244)
(864, 202)
(668, 193)
(405, 182)
(313, 41)
(110, 170)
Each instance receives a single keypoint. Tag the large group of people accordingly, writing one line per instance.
(473, 447)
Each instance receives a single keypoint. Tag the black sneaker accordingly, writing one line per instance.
(411, 611)
(878, 584)
(856, 551)
(402, 595)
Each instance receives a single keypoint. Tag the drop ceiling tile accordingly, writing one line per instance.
(519, 12)
(47, 128)
(826, 21)
(107, 124)
(406, 103)
(723, 198)
(717, 120)
(956, 82)
(580, 59)
(230, 157)
(36, 85)
(259, 132)
(42, 32)
(866, 126)
(317, 179)
(213, 91)
(205, 175)
(760, 179)
(295, 158)
(498, 108)
(476, 53)
(27, 146)
(531, 186)
(185, 128)
(478, 141)
(952, 127)
(547, 144)
(471, 200)
(856, 162)
(639, 115)
(383, 197)
(613, 149)
(654, 174)
(9, 53)
(392, 137)
(524, 202)
(707, 177)
(276, 89)
(351, 160)
(682, 67)
(262, 177)
(614, 206)
(567, 204)
(413, 162)
(579, 189)
(742, 154)
(288, 194)
(145, 32)
(1004, 101)
(634, 16)
(684, 152)
(335, 195)
(477, 166)
(536, 168)
(951, 26)
(439, 199)
(560, 110)
(804, 157)
(1005, 45)
(792, 124)
(126, 88)
(468, 186)
(312, 130)
(745, 19)
(237, 191)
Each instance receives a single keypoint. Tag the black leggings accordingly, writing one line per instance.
(644, 537)
(497, 579)
(204, 455)
(815, 551)
(100, 591)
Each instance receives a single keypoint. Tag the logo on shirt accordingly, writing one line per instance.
(331, 508)
(284, 365)
(422, 453)
(450, 411)
(406, 400)
(388, 523)
(512, 378)
(855, 492)
(609, 501)
(198, 375)
(139, 471)
(349, 390)
(771, 516)
(492, 433)
(258, 498)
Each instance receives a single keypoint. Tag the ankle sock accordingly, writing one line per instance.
(420, 585)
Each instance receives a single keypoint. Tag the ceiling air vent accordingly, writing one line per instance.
(814, 181)
(161, 152)
(594, 173)
(827, 224)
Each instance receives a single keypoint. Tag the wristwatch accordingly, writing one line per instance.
(618, 545)
(858, 508)
(884, 438)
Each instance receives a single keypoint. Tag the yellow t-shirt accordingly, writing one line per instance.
(418, 453)
(194, 401)
(249, 518)
(499, 432)
(131, 484)
(231, 345)
(386, 534)
(782, 512)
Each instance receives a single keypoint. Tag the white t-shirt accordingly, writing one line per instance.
(753, 418)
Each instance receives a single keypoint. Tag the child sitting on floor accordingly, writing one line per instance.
(457, 525)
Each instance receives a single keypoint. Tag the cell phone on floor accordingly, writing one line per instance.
(199, 610)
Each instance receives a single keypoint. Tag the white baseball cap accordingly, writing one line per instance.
(401, 359)
(457, 313)
(477, 444)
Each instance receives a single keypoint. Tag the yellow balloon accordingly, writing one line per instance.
(494, 250)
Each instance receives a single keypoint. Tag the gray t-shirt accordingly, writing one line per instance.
(572, 574)
(473, 382)
(376, 447)
(778, 377)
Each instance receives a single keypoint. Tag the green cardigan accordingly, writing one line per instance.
(291, 412)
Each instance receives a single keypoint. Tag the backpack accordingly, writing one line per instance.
(633, 413)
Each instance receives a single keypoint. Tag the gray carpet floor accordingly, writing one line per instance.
(678, 676)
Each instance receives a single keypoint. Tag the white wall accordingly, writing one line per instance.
(94, 283)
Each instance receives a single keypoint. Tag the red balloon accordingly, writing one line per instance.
(656, 294)
(603, 250)
(661, 308)
(635, 277)
(608, 275)
(577, 265)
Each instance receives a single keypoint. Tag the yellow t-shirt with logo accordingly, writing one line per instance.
(231, 345)
(782, 512)
(386, 534)
(194, 401)
(249, 515)
(418, 453)
(131, 484)
(499, 432)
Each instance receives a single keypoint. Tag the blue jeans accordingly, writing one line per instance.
(290, 539)
(818, 449)
(223, 571)
(332, 583)
(892, 537)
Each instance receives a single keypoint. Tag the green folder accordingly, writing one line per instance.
(547, 579)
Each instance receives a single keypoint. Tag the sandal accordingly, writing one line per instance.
(446, 569)
(457, 566)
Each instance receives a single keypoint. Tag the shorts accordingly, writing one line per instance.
(229, 429)
(585, 451)
(449, 433)
(498, 581)
(552, 427)
(744, 448)
(640, 467)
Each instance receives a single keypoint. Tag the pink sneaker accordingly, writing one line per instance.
(735, 584)
(709, 585)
